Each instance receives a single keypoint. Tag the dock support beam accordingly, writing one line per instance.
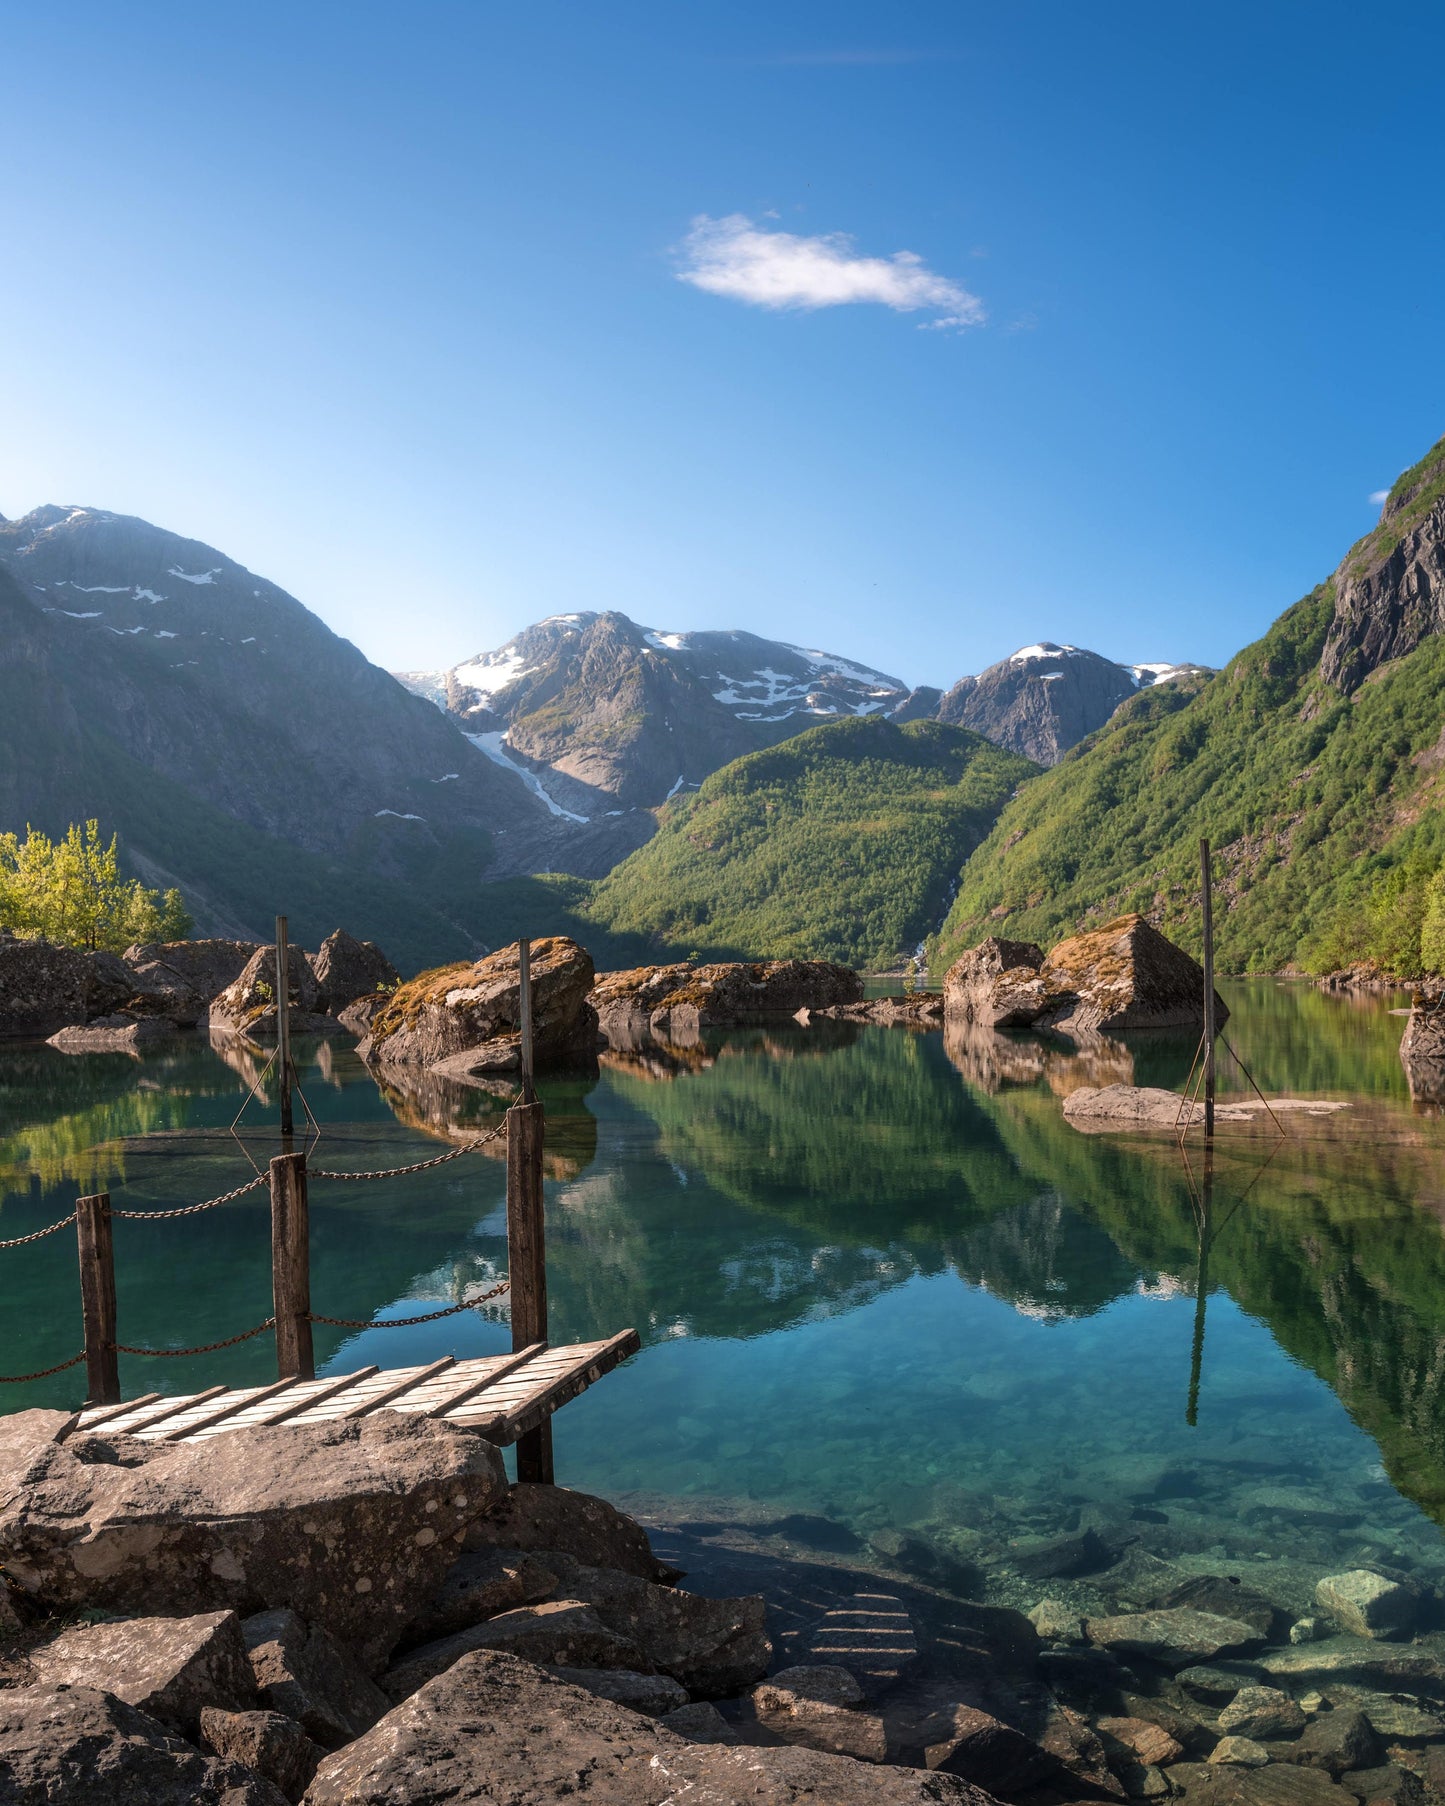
(97, 1298)
(291, 1267)
(527, 1266)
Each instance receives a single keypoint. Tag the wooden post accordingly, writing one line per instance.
(529, 1070)
(291, 1268)
(283, 1022)
(1210, 1031)
(97, 1298)
(1201, 1287)
(527, 1266)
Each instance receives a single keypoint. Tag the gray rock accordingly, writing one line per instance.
(580, 1525)
(169, 1667)
(1305, 1630)
(189, 974)
(78, 1746)
(45, 988)
(545, 1741)
(1262, 1713)
(349, 1523)
(713, 1646)
(1334, 1742)
(1275, 1784)
(1365, 1604)
(1061, 1556)
(1226, 1599)
(1142, 1782)
(1219, 1681)
(247, 1006)
(819, 1707)
(701, 1722)
(110, 1036)
(990, 1754)
(1388, 1783)
(347, 969)
(1243, 1751)
(564, 1633)
(1366, 1661)
(676, 1002)
(300, 1670)
(1056, 1622)
(480, 1584)
(1174, 1638)
(996, 984)
(269, 1743)
(1397, 1720)
(655, 1695)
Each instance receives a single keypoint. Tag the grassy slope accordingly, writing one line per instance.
(1306, 813)
(839, 844)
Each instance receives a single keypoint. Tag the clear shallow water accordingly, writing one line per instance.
(877, 1277)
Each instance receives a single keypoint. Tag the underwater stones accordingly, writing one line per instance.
(1272, 1784)
(926, 1560)
(1226, 1598)
(872, 1636)
(1367, 1661)
(1394, 1719)
(1148, 1743)
(1262, 1713)
(1057, 1622)
(1243, 1751)
(820, 1706)
(168, 1667)
(1365, 1604)
(1306, 1630)
(991, 1754)
(1218, 1681)
(1174, 1638)
(1336, 1741)
(1387, 1785)
(700, 1722)
(1060, 1557)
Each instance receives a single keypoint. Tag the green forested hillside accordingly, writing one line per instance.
(1323, 803)
(840, 844)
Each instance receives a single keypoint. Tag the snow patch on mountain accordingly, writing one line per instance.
(494, 746)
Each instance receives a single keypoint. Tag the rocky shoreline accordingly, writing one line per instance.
(368, 1612)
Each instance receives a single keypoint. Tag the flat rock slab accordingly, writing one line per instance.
(498, 1730)
(1386, 1667)
(348, 1523)
(82, 1747)
(872, 1636)
(171, 1668)
(1173, 1638)
(1262, 1713)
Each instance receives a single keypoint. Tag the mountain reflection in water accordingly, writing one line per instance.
(875, 1272)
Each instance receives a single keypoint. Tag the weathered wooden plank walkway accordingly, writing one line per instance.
(503, 1396)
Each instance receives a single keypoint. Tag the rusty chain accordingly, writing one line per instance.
(205, 1348)
(40, 1234)
(19, 1379)
(467, 1304)
(191, 1210)
(420, 1166)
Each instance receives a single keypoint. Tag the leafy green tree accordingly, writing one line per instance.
(72, 892)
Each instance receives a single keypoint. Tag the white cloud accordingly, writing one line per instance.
(1378, 497)
(780, 270)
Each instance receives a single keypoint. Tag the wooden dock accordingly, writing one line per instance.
(503, 1396)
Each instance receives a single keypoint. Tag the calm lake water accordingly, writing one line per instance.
(878, 1279)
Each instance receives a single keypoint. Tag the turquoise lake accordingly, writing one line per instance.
(880, 1282)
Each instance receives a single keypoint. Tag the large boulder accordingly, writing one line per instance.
(465, 1020)
(677, 1002)
(349, 1523)
(1422, 1048)
(578, 1523)
(269, 1743)
(79, 1746)
(496, 1729)
(247, 1006)
(179, 979)
(481, 1584)
(1121, 976)
(996, 984)
(169, 1667)
(347, 969)
(44, 988)
(300, 1670)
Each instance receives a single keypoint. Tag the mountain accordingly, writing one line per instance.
(596, 711)
(1044, 699)
(841, 843)
(241, 749)
(1313, 761)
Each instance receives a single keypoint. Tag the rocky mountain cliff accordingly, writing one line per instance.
(240, 748)
(1044, 699)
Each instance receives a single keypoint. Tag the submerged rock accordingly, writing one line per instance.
(545, 1740)
(1365, 1604)
(1262, 1713)
(822, 1709)
(465, 1020)
(1173, 1638)
(564, 1633)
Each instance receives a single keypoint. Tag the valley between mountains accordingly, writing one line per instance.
(662, 793)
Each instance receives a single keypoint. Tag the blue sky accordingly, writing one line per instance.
(392, 304)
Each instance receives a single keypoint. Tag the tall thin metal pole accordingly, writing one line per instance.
(1201, 1286)
(524, 955)
(283, 1021)
(1210, 1030)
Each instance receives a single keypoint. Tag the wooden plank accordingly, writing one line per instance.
(317, 1392)
(506, 1365)
(416, 1377)
(91, 1419)
(529, 1397)
(233, 1402)
(574, 1381)
(170, 1407)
